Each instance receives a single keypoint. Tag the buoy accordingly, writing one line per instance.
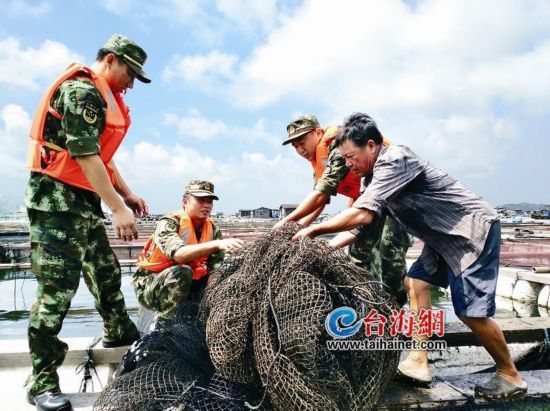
(544, 296)
(543, 311)
(505, 286)
(525, 291)
(504, 303)
(525, 310)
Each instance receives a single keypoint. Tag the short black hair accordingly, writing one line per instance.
(102, 52)
(359, 128)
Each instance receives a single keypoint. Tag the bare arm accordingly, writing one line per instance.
(308, 205)
(310, 218)
(95, 172)
(346, 220)
(343, 239)
(193, 251)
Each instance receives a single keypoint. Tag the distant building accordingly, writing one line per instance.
(261, 212)
(244, 213)
(286, 209)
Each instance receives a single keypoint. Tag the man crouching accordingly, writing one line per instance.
(185, 247)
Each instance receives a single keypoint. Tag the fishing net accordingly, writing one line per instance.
(258, 338)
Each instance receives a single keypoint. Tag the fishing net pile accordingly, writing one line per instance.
(258, 340)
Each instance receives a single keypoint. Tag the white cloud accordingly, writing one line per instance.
(208, 21)
(158, 173)
(184, 11)
(120, 7)
(196, 126)
(203, 70)
(14, 133)
(26, 67)
(21, 8)
(473, 147)
(250, 15)
(454, 80)
(147, 162)
(387, 56)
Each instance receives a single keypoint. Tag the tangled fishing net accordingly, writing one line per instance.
(258, 340)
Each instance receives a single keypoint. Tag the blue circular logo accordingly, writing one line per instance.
(342, 322)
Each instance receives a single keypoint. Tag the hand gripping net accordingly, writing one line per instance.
(258, 340)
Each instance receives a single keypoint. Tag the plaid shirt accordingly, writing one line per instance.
(452, 221)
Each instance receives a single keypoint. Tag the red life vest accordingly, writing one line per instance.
(153, 259)
(351, 184)
(59, 163)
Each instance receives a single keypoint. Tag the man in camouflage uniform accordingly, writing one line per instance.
(63, 201)
(382, 248)
(185, 247)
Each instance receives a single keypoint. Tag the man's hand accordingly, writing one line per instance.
(136, 204)
(230, 245)
(279, 224)
(304, 232)
(124, 224)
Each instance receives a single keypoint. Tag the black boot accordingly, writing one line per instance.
(51, 400)
(125, 340)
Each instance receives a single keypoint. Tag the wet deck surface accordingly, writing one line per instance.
(458, 391)
(449, 392)
(453, 384)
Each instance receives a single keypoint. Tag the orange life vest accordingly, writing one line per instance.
(351, 184)
(57, 160)
(153, 259)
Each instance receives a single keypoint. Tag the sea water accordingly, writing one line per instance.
(17, 295)
(18, 289)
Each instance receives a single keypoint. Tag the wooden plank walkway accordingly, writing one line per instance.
(451, 391)
(15, 353)
(13, 392)
(454, 391)
(15, 367)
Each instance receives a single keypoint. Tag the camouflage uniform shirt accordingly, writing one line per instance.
(80, 138)
(335, 171)
(169, 242)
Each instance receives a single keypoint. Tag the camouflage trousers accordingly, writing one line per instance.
(382, 250)
(62, 246)
(162, 292)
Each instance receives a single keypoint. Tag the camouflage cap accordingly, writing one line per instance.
(200, 188)
(130, 52)
(300, 126)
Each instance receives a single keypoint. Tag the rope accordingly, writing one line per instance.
(544, 351)
(470, 400)
(279, 349)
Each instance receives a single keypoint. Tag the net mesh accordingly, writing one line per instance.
(258, 338)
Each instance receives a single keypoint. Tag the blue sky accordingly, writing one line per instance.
(465, 84)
